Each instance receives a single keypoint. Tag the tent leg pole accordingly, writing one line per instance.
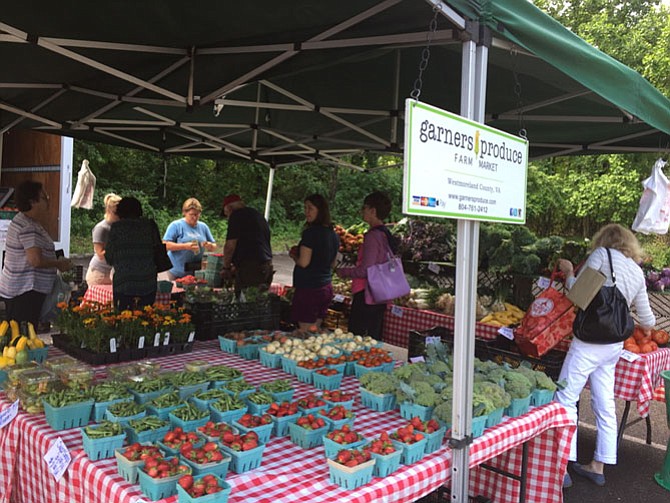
(268, 197)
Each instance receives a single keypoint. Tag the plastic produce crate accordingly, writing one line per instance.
(434, 440)
(494, 418)
(280, 424)
(411, 453)
(157, 489)
(518, 407)
(100, 408)
(219, 468)
(350, 478)
(304, 374)
(479, 425)
(379, 403)
(541, 397)
(101, 448)
(331, 448)
(269, 360)
(243, 461)
(386, 464)
(263, 431)
(220, 497)
(70, 416)
(409, 410)
(324, 382)
(307, 439)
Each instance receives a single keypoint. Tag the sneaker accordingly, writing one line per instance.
(567, 481)
(597, 478)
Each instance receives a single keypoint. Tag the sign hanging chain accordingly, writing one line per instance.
(425, 55)
(517, 92)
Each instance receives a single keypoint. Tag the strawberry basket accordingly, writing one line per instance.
(411, 453)
(158, 488)
(243, 461)
(263, 431)
(434, 440)
(103, 447)
(386, 464)
(307, 439)
(379, 403)
(344, 399)
(128, 468)
(280, 424)
(218, 497)
(409, 410)
(350, 477)
(327, 382)
(218, 468)
(332, 448)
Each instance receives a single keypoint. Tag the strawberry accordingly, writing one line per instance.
(186, 481)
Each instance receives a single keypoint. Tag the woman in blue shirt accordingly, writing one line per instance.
(186, 240)
(314, 259)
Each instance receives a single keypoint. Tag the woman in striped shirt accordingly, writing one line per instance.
(30, 257)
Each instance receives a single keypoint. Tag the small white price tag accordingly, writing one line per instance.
(57, 458)
(417, 359)
(140, 343)
(112, 345)
(338, 298)
(191, 336)
(8, 414)
(543, 282)
(396, 311)
(166, 339)
(434, 268)
(629, 356)
(157, 339)
(506, 332)
(432, 340)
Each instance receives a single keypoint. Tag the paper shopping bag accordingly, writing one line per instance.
(547, 322)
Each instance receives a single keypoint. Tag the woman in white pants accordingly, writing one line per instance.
(595, 363)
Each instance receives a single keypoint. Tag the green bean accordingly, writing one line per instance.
(147, 423)
(222, 373)
(277, 386)
(228, 403)
(237, 386)
(211, 394)
(66, 397)
(188, 378)
(260, 398)
(108, 391)
(125, 409)
(166, 400)
(147, 385)
(104, 429)
(189, 413)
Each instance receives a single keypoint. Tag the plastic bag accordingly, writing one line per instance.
(653, 215)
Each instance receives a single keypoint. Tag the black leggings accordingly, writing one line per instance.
(366, 319)
(26, 307)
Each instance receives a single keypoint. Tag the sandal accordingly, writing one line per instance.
(597, 478)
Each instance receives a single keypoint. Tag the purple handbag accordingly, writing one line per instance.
(386, 282)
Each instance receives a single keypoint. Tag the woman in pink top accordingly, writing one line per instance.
(366, 317)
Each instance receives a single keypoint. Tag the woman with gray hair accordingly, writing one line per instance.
(595, 362)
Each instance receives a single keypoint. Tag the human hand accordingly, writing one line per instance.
(294, 252)
(565, 266)
(209, 246)
(64, 264)
(194, 247)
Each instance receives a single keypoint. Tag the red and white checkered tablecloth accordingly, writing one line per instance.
(398, 321)
(103, 294)
(638, 380)
(289, 473)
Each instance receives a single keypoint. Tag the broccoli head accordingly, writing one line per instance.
(543, 381)
(500, 398)
(380, 383)
(482, 402)
(529, 373)
(516, 384)
(443, 412)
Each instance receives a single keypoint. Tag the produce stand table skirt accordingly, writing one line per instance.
(104, 294)
(289, 473)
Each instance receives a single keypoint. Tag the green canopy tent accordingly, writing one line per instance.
(306, 81)
(282, 84)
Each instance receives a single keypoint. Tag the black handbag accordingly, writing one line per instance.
(607, 318)
(161, 258)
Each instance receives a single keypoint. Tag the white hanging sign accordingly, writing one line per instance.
(458, 168)
(8, 414)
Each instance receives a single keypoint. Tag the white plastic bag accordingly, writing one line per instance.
(653, 215)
